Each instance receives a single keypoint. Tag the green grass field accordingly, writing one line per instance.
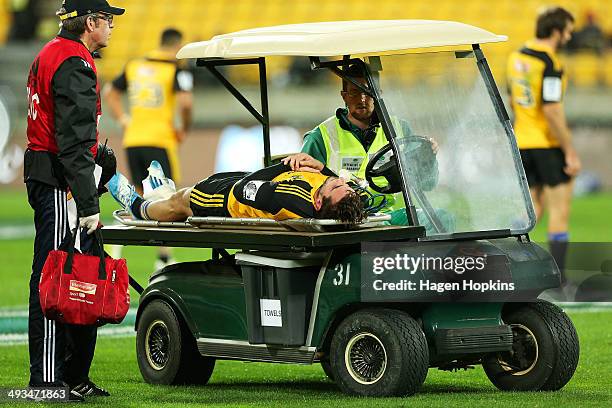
(258, 384)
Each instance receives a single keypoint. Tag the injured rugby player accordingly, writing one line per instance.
(298, 187)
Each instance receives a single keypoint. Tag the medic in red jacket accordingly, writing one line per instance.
(63, 114)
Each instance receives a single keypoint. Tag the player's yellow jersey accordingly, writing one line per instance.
(151, 83)
(535, 77)
(315, 180)
(289, 195)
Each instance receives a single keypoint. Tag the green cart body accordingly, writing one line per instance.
(304, 296)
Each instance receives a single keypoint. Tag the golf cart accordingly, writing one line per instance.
(312, 291)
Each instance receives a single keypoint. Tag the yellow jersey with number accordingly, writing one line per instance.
(535, 78)
(151, 84)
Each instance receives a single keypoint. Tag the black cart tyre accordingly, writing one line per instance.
(379, 352)
(544, 354)
(326, 365)
(166, 350)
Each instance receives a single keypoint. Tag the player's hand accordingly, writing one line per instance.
(303, 162)
(90, 223)
(572, 162)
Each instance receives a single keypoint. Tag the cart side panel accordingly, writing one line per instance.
(209, 297)
(341, 287)
(338, 288)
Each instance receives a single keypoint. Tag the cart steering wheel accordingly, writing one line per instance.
(388, 169)
(413, 147)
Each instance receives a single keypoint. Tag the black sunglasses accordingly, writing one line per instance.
(104, 16)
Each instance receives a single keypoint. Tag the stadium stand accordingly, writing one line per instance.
(137, 31)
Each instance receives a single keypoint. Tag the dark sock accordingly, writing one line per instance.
(135, 207)
(163, 258)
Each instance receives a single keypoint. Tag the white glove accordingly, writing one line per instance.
(90, 223)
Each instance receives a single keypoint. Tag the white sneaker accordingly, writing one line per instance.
(157, 186)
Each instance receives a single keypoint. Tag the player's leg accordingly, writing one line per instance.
(538, 199)
(559, 200)
(558, 188)
(530, 160)
(138, 159)
(174, 208)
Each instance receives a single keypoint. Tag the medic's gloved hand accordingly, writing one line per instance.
(90, 223)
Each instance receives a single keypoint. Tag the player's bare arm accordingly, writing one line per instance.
(112, 97)
(185, 105)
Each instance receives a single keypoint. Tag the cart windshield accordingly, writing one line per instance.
(477, 183)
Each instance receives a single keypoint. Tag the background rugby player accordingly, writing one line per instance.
(537, 84)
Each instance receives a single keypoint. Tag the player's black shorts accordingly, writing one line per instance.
(139, 159)
(209, 197)
(544, 167)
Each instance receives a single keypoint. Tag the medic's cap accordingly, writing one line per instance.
(76, 8)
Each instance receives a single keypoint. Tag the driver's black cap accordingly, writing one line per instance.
(76, 8)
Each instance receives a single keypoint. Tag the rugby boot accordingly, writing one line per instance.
(122, 191)
(157, 186)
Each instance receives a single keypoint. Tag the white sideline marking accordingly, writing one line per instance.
(13, 339)
(12, 312)
(9, 232)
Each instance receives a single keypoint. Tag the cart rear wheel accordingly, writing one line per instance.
(380, 352)
(544, 352)
(166, 350)
(326, 365)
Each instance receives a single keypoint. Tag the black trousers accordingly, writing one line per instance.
(58, 352)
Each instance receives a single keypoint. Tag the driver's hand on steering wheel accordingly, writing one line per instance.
(303, 162)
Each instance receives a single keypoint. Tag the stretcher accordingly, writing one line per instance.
(255, 233)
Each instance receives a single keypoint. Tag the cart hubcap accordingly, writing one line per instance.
(157, 343)
(365, 358)
(524, 355)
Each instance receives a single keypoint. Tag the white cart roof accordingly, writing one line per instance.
(339, 38)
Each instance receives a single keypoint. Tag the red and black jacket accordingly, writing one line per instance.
(63, 113)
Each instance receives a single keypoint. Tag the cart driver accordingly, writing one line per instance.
(348, 139)
(298, 187)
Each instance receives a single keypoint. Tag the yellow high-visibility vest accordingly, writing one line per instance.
(344, 151)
